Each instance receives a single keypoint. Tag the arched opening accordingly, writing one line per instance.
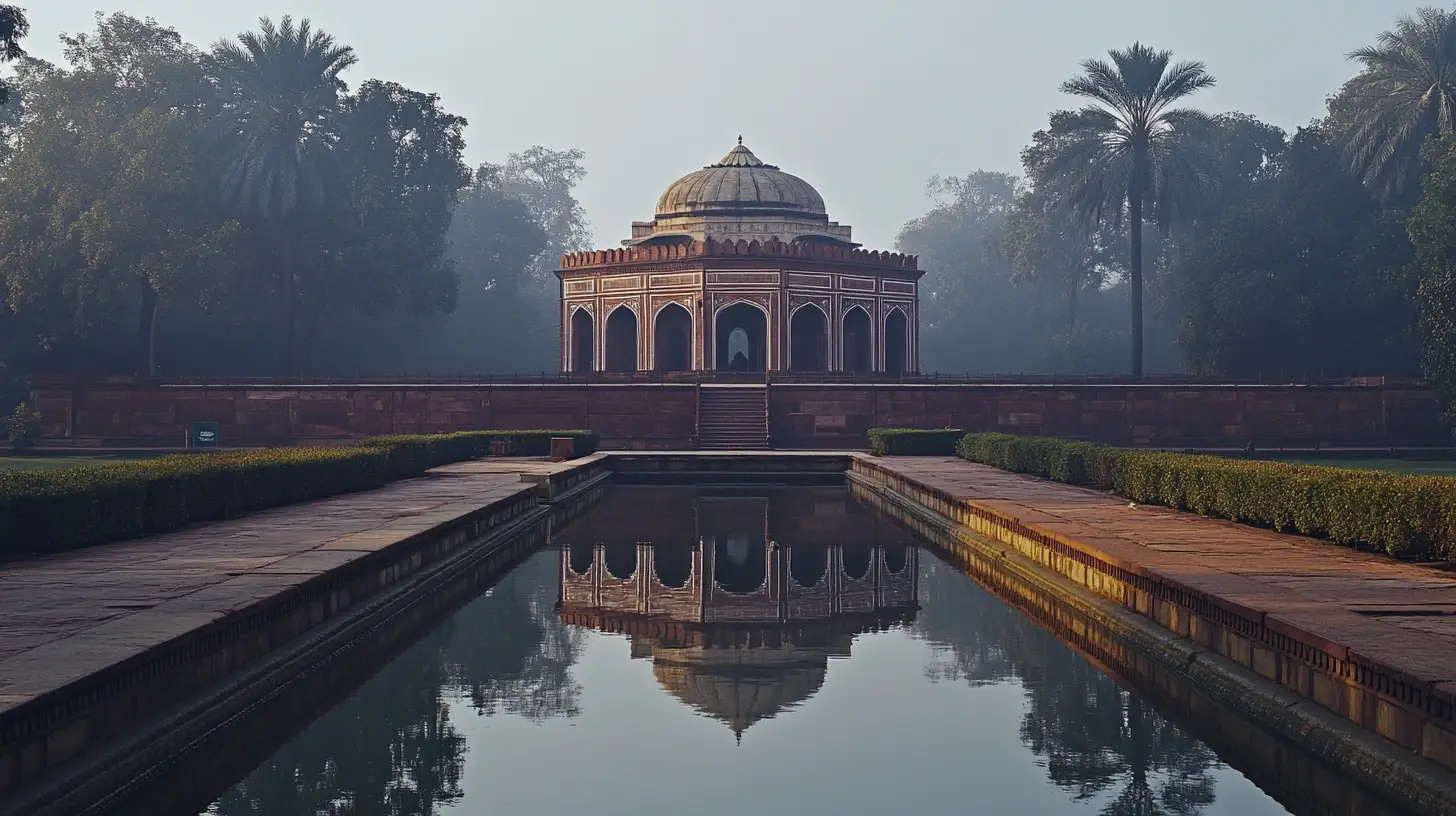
(807, 565)
(673, 565)
(739, 563)
(809, 340)
(857, 354)
(582, 557)
(856, 561)
(897, 345)
(621, 560)
(622, 340)
(672, 339)
(583, 340)
(895, 556)
(741, 338)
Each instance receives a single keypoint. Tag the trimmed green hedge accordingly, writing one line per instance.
(1410, 516)
(913, 441)
(53, 510)
(411, 455)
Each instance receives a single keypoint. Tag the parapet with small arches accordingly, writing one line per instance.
(711, 248)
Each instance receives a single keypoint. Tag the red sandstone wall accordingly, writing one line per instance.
(809, 416)
(627, 417)
(801, 416)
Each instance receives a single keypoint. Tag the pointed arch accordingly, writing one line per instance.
(583, 340)
(808, 338)
(740, 328)
(621, 339)
(672, 338)
(857, 353)
(897, 341)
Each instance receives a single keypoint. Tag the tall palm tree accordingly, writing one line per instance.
(282, 93)
(1131, 153)
(1406, 93)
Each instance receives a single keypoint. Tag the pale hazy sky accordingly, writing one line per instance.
(865, 99)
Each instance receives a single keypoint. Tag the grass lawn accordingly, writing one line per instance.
(66, 460)
(1412, 467)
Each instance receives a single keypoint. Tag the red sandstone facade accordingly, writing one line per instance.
(676, 304)
(740, 269)
(664, 416)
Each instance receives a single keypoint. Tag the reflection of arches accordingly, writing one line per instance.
(583, 340)
(622, 340)
(896, 342)
(856, 561)
(621, 560)
(807, 565)
(673, 565)
(743, 326)
(857, 348)
(739, 563)
(582, 558)
(895, 557)
(809, 339)
(672, 339)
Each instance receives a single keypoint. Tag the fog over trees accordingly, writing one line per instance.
(254, 207)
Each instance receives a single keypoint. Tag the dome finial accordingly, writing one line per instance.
(740, 138)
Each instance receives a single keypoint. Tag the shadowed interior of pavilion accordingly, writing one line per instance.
(742, 618)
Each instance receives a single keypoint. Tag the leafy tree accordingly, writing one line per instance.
(1405, 93)
(1132, 154)
(383, 239)
(13, 28)
(1306, 276)
(282, 95)
(967, 318)
(1433, 231)
(108, 210)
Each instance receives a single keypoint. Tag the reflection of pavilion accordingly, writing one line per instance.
(739, 600)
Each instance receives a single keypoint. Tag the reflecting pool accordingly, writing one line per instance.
(715, 650)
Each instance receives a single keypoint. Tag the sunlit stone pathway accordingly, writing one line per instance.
(66, 615)
(1400, 614)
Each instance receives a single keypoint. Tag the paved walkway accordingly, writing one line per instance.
(63, 616)
(1403, 614)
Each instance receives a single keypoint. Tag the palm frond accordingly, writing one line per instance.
(1403, 95)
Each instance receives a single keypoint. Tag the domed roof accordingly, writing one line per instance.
(741, 695)
(739, 182)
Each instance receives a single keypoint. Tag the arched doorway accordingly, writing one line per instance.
(807, 564)
(858, 354)
(672, 339)
(583, 341)
(582, 558)
(856, 561)
(896, 342)
(621, 561)
(621, 340)
(739, 563)
(809, 339)
(741, 338)
(673, 564)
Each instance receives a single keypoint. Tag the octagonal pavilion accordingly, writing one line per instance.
(740, 270)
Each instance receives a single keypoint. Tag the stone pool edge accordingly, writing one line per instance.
(173, 694)
(1026, 552)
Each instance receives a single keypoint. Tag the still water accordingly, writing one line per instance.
(715, 651)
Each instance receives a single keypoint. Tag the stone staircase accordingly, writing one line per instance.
(733, 417)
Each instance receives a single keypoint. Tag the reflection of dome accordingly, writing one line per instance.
(739, 182)
(741, 686)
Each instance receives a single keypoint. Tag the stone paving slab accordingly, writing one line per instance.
(66, 615)
(1399, 613)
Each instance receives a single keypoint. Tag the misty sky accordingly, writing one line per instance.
(865, 99)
